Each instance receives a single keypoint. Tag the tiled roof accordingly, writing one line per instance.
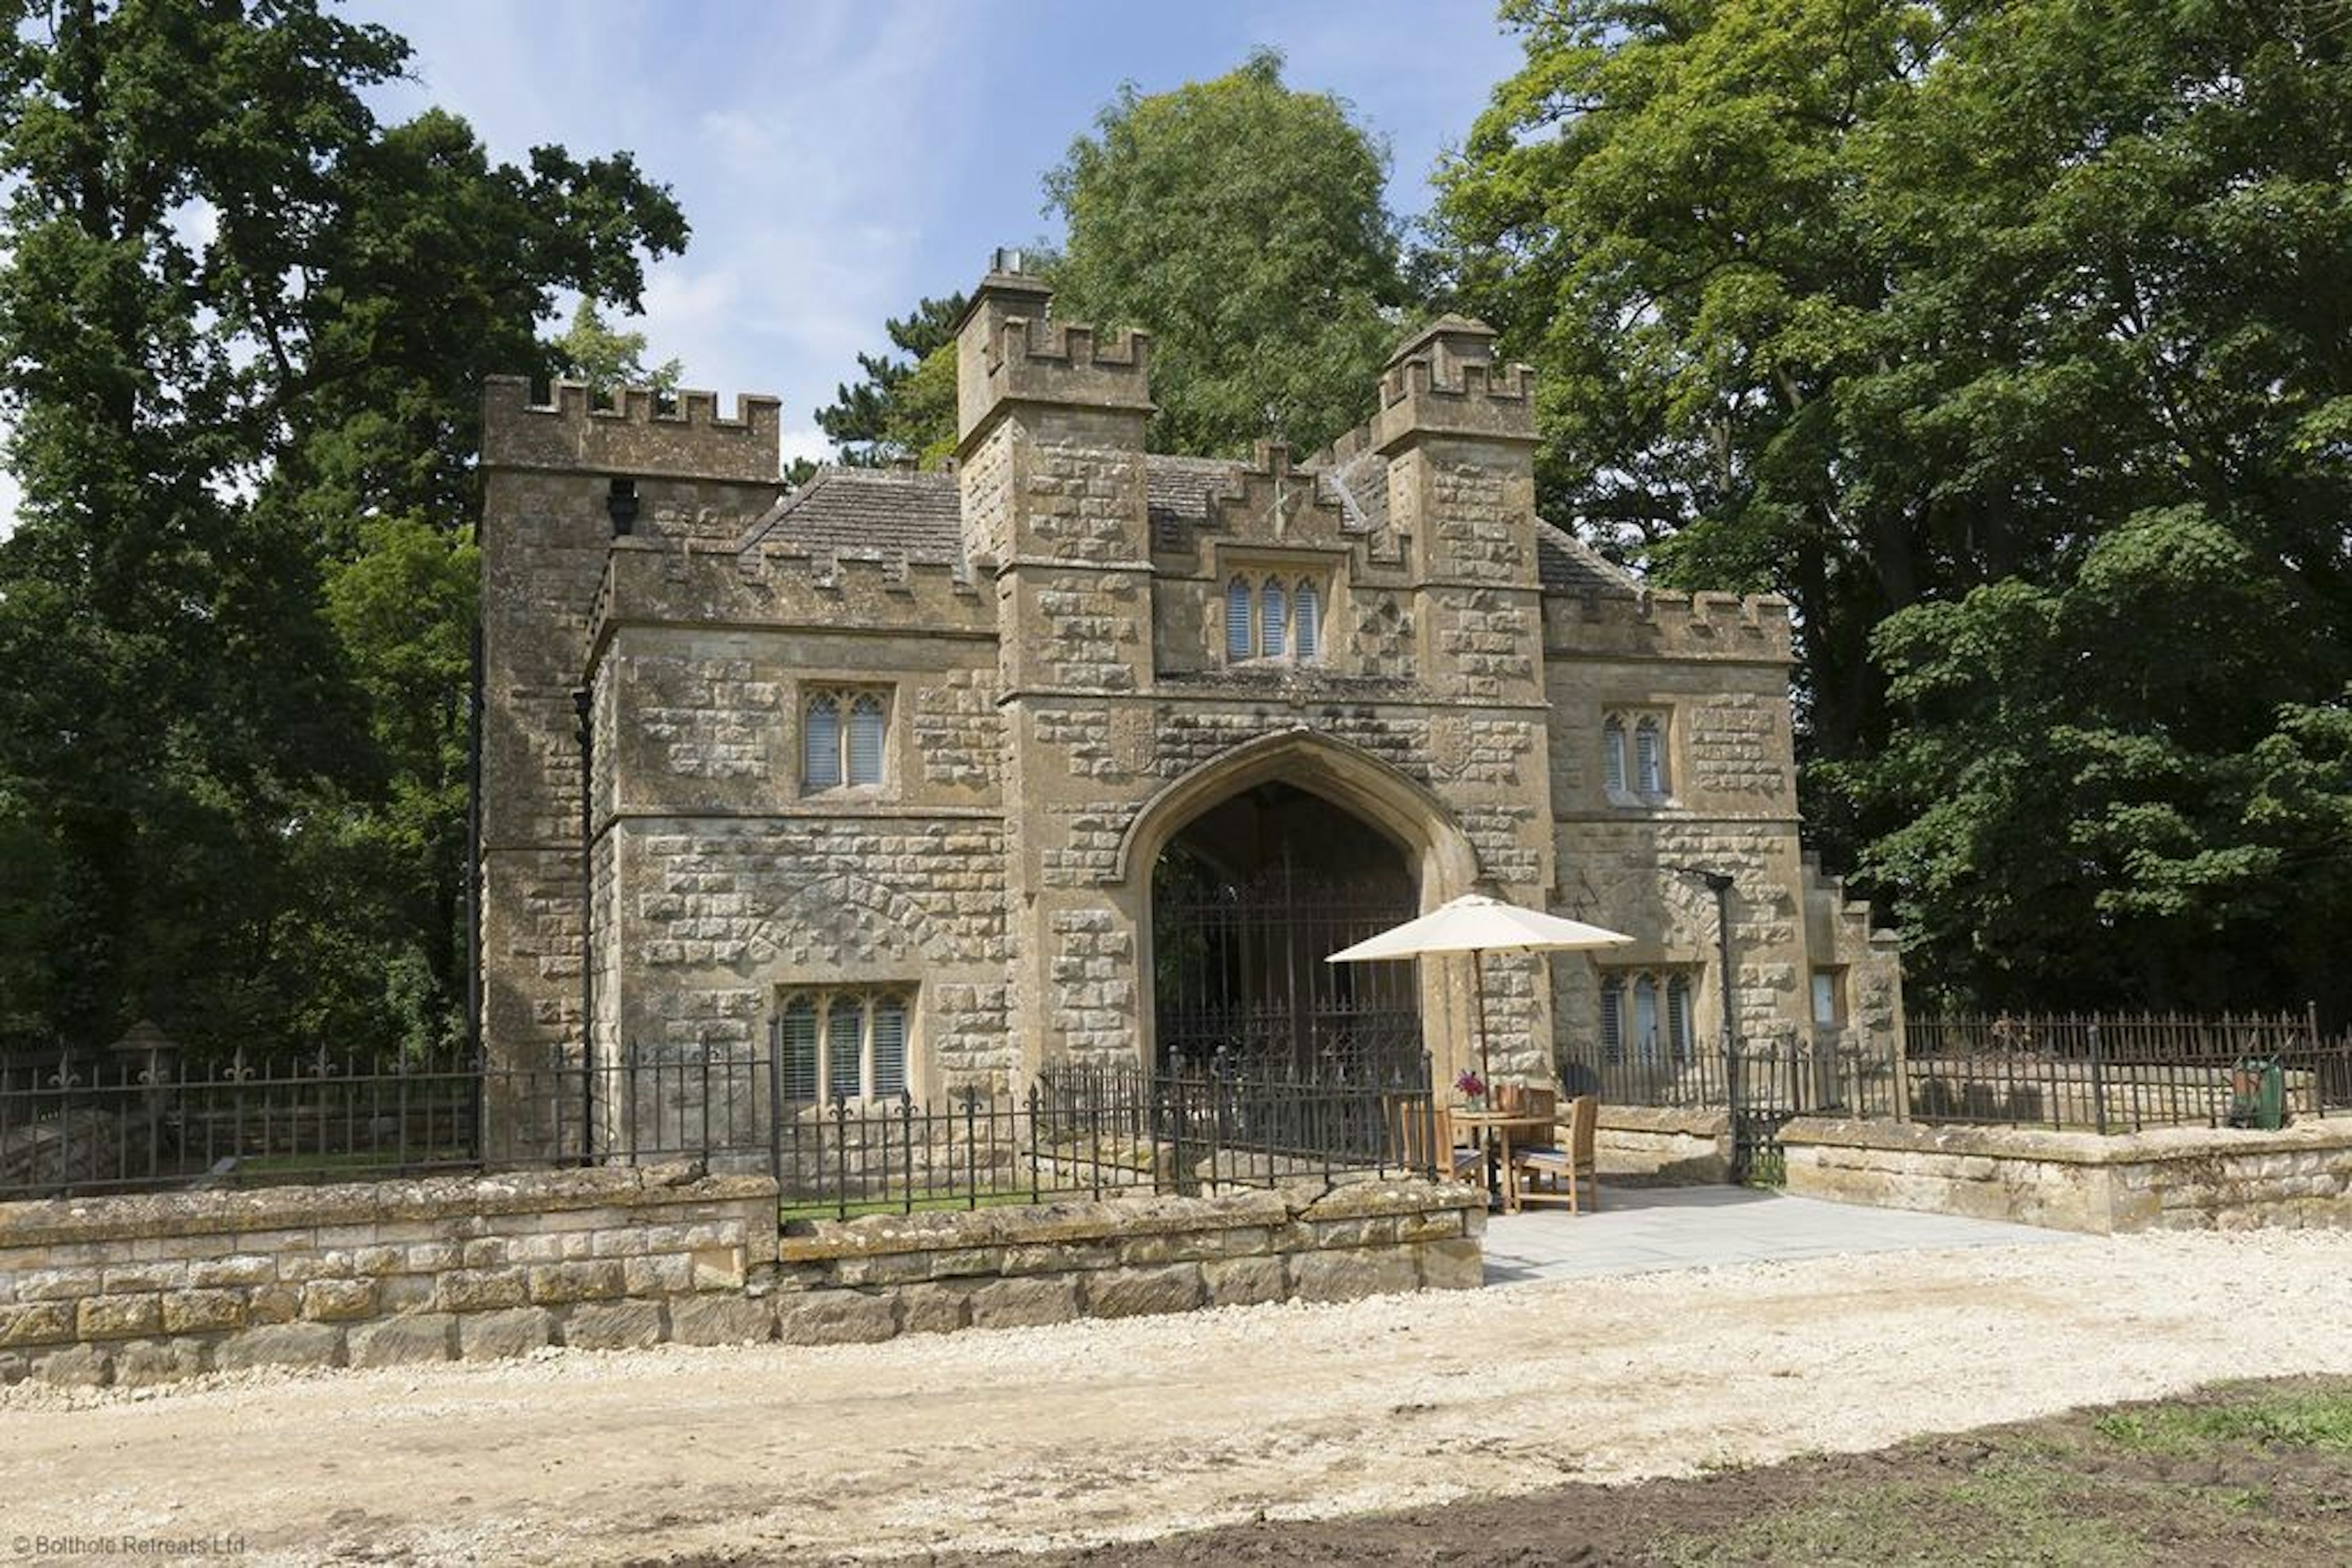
(883, 512)
(875, 512)
(1567, 565)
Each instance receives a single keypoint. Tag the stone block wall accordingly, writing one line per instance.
(875, 1278)
(2175, 1178)
(148, 1289)
(1644, 1146)
(135, 1290)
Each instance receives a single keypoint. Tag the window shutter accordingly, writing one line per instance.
(865, 741)
(821, 745)
(1612, 1021)
(796, 1036)
(1239, 643)
(889, 1046)
(1309, 608)
(1273, 623)
(845, 1029)
(1613, 755)
(1650, 757)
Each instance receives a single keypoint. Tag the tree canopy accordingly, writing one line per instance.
(2012, 343)
(243, 331)
(1245, 225)
(896, 410)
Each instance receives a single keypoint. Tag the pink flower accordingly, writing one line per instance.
(1470, 1085)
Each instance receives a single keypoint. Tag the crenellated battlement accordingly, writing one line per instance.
(1444, 380)
(1473, 382)
(692, 584)
(635, 433)
(1010, 351)
(1068, 345)
(1657, 623)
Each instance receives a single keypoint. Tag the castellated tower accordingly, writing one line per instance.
(560, 480)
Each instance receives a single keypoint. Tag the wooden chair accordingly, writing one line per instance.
(1566, 1171)
(1421, 1138)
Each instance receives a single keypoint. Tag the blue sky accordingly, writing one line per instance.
(839, 160)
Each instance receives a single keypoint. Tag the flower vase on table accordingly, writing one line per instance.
(1472, 1088)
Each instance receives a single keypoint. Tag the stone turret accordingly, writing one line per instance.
(562, 481)
(1050, 420)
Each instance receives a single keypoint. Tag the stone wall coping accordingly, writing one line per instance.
(137, 1214)
(2043, 1144)
(1699, 1121)
(872, 1236)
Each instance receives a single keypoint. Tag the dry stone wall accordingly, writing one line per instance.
(137, 1291)
(2187, 1178)
(876, 1277)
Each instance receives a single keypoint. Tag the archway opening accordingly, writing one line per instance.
(1248, 899)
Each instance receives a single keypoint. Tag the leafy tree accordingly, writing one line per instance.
(2015, 329)
(1245, 224)
(895, 411)
(590, 349)
(243, 328)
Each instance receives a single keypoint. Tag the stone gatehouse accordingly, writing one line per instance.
(1080, 752)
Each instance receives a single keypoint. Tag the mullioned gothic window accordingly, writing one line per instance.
(1634, 756)
(1646, 1018)
(1272, 617)
(842, 1044)
(843, 735)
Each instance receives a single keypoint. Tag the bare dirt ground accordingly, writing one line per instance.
(1112, 1431)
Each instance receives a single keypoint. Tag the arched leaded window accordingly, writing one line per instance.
(1241, 638)
(1634, 756)
(845, 738)
(1646, 1017)
(1272, 621)
(1612, 1020)
(843, 1044)
(821, 743)
(887, 1052)
(1650, 756)
(866, 727)
(795, 1045)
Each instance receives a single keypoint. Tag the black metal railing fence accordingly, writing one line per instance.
(2124, 1072)
(1076, 1130)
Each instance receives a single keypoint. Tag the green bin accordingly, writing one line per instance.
(2258, 1094)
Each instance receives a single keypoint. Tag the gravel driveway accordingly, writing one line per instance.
(1111, 1430)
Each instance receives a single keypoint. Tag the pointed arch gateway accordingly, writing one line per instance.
(1251, 869)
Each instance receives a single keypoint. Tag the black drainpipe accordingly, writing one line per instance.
(473, 887)
(580, 705)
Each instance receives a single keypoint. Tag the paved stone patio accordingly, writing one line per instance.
(1640, 1230)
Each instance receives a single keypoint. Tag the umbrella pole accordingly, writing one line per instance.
(1478, 978)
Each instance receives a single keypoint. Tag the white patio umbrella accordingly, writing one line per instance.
(1477, 925)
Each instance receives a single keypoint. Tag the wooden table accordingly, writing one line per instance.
(1496, 1128)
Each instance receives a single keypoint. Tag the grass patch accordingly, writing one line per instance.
(2315, 1420)
(929, 1202)
(367, 1164)
(2005, 1516)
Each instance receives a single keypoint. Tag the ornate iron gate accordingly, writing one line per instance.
(1239, 975)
